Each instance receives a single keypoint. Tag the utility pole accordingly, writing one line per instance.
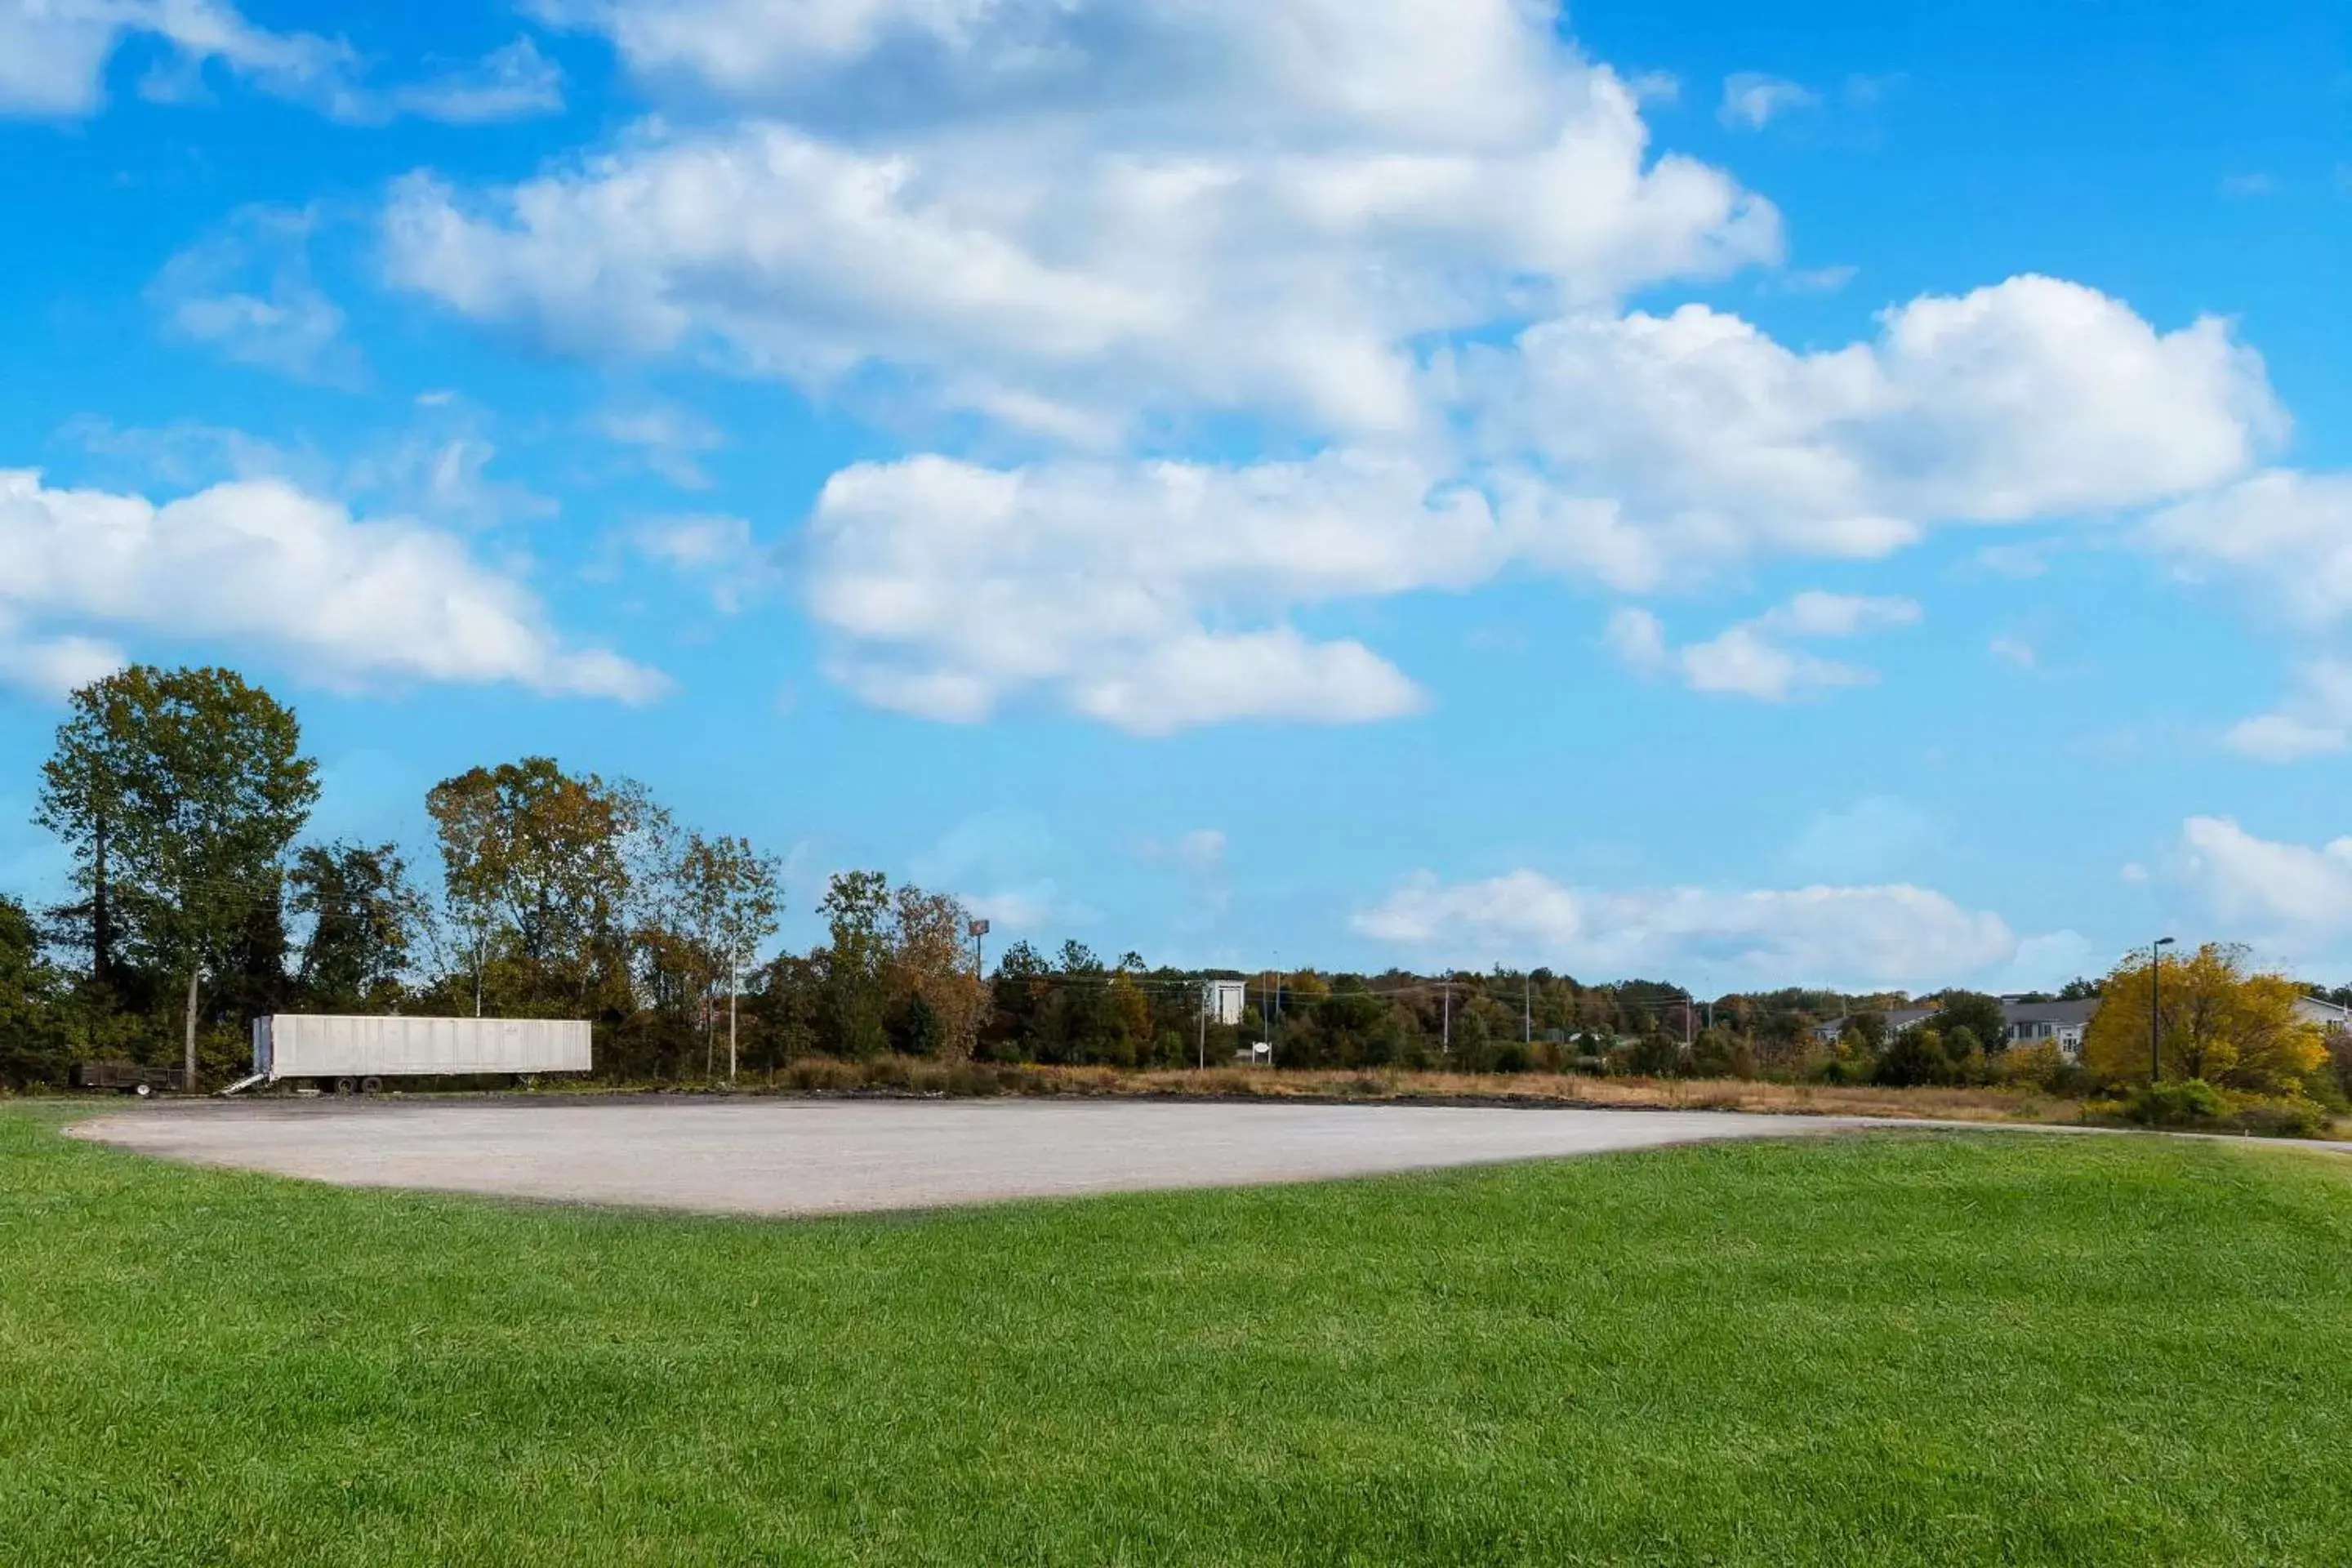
(478, 974)
(1446, 1016)
(1527, 1011)
(734, 983)
(1203, 1047)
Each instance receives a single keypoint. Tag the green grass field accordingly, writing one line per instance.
(1890, 1347)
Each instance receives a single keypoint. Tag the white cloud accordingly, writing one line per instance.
(668, 440)
(1069, 216)
(261, 564)
(716, 551)
(1114, 588)
(247, 292)
(2294, 896)
(1751, 659)
(51, 667)
(2014, 651)
(1894, 935)
(2285, 537)
(1090, 222)
(2282, 540)
(515, 82)
(2323, 730)
(1640, 446)
(54, 53)
(1816, 280)
(1752, 100)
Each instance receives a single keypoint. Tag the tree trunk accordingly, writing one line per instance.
(188, 1078)
(101, 916)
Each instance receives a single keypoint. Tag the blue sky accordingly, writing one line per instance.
(1861, 495)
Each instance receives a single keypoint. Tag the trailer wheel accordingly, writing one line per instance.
(142, 1090)
(343, 1086)
(370, 1085)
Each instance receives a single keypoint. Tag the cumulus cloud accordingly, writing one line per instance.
(1632, 450)
(1752, 657)
(2282, 540)
(1752, 100)
(2315, 721)
(54, 53)
(1636, 447)
(1861, 937)
(263, 564)
(1068, 215)
(2294, 896)
(1092, 223)
(2284, 537)
(1114, 589)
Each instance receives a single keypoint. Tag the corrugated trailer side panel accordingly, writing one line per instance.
(314, 1046)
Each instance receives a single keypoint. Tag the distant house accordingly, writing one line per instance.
(2030, 1023)
(2061, 1024)
(2325, 1014)
(1897, 1020)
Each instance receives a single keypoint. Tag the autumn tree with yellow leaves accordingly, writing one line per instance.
(2218, 1021)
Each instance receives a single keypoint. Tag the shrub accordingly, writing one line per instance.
(1513, 1057)
(817, 1075)
(2185, 1102)
(2285, 1116)
(890, 1072)
(2040, 1064)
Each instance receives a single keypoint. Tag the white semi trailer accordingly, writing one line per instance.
(354, 1053)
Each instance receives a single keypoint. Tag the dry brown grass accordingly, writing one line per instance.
(1987, 1104)
(907, 1076)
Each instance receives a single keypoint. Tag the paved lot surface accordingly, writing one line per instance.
(792, 1157)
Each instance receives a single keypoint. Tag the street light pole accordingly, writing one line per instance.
(2155, 1009)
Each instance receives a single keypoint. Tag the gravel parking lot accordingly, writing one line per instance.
(802, 1157)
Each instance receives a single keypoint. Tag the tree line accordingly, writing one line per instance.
(198, 904)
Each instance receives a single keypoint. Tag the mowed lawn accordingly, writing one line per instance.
(1886, 1348)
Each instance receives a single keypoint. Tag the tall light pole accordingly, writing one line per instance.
(734, 984)
(1206, 992)
(2155, 1009)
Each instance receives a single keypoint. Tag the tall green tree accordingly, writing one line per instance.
(32, 1031)
(179, 791)
(535, 862)
(1977, 1013)
(365, 916)
(856, 911)
(81, 802)
(724, 897)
